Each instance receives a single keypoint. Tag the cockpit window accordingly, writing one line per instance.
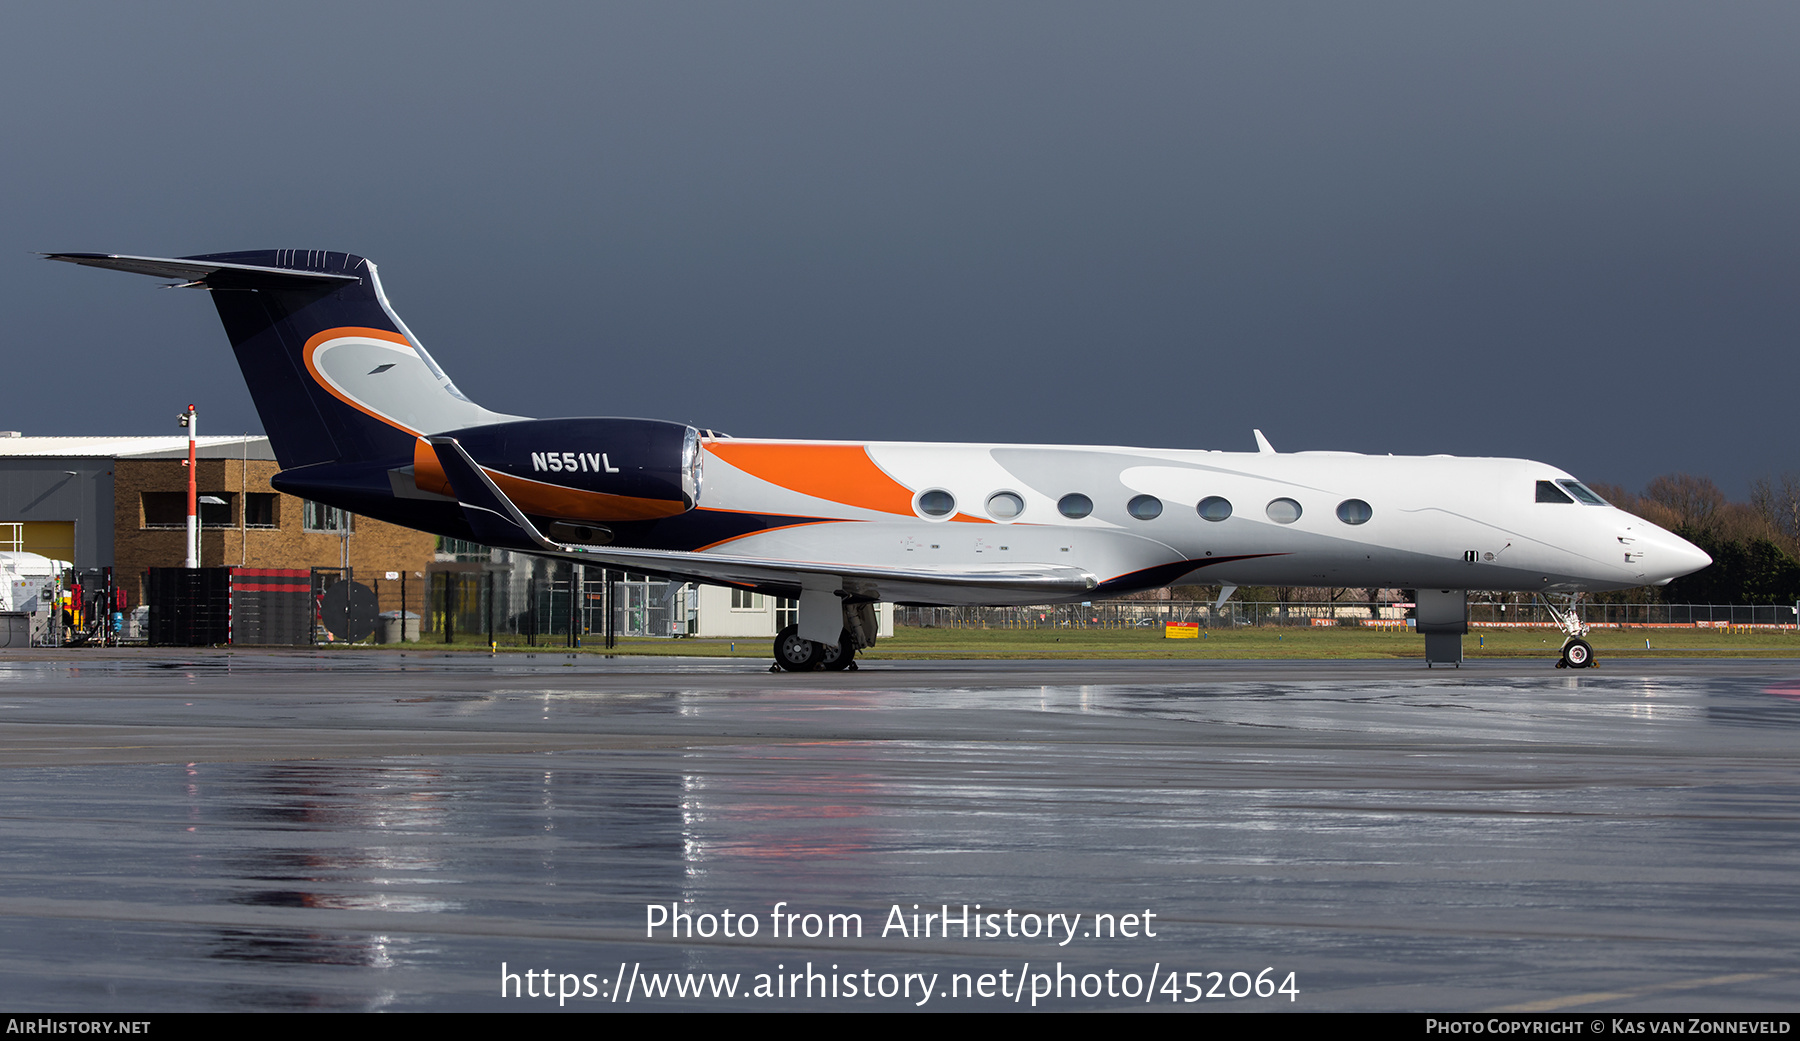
(1583, 492)
(1549, 492)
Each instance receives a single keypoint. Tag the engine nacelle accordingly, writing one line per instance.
(580, 471)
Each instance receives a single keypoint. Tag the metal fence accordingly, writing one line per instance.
(1628, 615)
(1151, 613)
(553, 606)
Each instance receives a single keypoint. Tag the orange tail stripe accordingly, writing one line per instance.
(312, 345)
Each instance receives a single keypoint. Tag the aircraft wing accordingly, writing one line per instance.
(496, 520)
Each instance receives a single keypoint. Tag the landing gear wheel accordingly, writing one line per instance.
(1577, 653)
(794, 654)
(839, 657)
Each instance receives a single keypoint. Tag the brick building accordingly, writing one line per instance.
(122, 502)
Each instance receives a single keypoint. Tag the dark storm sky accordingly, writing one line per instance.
(1564, 231)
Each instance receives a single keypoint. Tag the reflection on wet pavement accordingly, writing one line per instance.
(362, 832)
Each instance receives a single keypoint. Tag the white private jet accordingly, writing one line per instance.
(360, 417)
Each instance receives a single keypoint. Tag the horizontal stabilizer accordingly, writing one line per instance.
(336, 376)
(498, 521)
(210, 273)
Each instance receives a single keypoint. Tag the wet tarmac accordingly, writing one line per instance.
(374, 831)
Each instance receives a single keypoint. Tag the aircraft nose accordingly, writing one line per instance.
(1676, 556)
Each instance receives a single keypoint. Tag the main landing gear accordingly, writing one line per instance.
(1577, 653)
(794, 653)
(797, 655)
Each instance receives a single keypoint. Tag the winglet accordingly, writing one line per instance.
(491, 515)
(1262, 443)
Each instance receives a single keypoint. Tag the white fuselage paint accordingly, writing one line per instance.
(1428, 517)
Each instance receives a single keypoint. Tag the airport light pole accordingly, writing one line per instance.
(193, 504)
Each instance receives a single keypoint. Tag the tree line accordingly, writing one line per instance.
(1755, 545)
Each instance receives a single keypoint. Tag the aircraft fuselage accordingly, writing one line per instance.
(361, 417)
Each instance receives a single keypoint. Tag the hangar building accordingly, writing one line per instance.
(121, 502)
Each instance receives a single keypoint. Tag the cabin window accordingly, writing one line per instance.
(937, 503)
(1283, 511)
(1549, 492)
(1354, 511)
(1005, 505)
(1214, 508)
(1583, 493)
(1144, 507)
(1074, 505)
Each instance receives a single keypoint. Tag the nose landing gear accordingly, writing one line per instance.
(1577, 653)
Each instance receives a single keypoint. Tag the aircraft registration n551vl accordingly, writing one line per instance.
(360, 417)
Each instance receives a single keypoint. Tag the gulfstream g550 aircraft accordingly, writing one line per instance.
(361, 417)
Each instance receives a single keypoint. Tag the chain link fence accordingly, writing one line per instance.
(1149, 614)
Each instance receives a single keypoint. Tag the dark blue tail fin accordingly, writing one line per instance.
(335, 374)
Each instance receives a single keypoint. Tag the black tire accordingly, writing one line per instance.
(839, 657)
(794, 654)
(1578, 653)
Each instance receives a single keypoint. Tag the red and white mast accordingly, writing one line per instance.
(193, 515)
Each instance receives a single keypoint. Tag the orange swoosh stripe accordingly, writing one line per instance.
(759, 531)
(838, 473)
